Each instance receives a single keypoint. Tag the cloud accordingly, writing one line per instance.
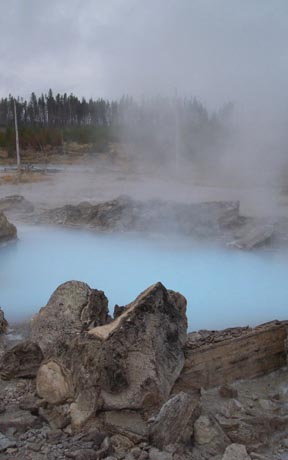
(217, 50)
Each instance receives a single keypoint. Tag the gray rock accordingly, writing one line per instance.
(83, 454)
(141, 352)
(58, 417)
(205, 430)
(128, 423)
(3, 322)
(236, 452)
(30, 403)
(130, 363)
(125, 214)
(227, 391)
(18, 419)
(8, 231)
(252, 235)
(155, 454)
(72, 308)
(15, 203)
(136, 452)
(174, 423)
(35, 447)
(6, 442)
(22, 360)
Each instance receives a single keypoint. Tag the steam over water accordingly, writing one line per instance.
(223, 287)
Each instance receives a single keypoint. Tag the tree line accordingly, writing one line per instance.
(153, 125)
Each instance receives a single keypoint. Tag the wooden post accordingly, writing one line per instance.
(17, 138)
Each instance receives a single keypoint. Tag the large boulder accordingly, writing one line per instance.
(129, 364)
(8, 231)
(72, 308)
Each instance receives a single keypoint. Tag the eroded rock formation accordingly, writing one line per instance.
(204, 220)
(126, 365)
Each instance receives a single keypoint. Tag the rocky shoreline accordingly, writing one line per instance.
(86, 386)
(219, 221)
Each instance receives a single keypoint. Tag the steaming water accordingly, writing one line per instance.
(223, 287)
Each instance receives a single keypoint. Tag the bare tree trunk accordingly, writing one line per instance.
(17, 139)
(176, 131)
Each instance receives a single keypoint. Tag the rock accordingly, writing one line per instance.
(136, 452)
(175, 421)
(227, 391)
(141, 351)
(236, 452)
(256, 456)
(95, 436)
(8, 231)
(18, 419)
(126, 214)
(204, 430)
(15, 203)
(6, 442)
(252, 235)
(58, 417)
(29, 403)
(128, 423)
(83, 454)
(53, 383)
(155, 454)
(82, 410)
(3, 322)
(35, 447)
(268, 405)
(129, 364)
(285, 443)
(91, 454)
(118, 311)
(22, 360)
(121, 444)
(73, 307)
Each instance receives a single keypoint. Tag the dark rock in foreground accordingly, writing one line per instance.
(127, 365)
(8, 231)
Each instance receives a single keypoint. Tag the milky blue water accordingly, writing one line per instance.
(223, 287)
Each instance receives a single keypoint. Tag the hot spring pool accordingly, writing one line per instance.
(223, 287)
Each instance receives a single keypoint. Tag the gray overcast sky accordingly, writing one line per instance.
(217, 50)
